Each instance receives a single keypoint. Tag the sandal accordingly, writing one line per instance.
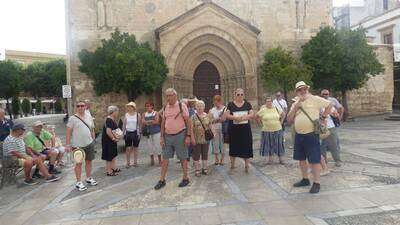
(204, 171)
(221, 163)
(116, 170)
(197, 173)
(128, 166)
(113, 174)
(216, 163)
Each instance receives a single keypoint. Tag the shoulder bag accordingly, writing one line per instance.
(319, 128)
(208, 134)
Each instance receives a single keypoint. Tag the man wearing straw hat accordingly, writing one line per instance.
(80, 138)
(303, 112)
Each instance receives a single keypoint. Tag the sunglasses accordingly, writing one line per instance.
(240, 94)
(80, 106)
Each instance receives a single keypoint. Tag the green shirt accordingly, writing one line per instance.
(31, 141)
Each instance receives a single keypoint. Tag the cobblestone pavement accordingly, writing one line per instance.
(365, 190)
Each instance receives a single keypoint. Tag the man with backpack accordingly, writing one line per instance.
(175, 136)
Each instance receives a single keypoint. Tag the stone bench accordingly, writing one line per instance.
(9, 169)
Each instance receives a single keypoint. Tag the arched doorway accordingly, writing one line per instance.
(206, 83)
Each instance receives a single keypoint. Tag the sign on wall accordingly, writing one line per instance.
(66, 91)
(396, 51)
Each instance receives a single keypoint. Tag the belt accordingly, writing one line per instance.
(177, 133)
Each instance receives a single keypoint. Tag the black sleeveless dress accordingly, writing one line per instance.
(109, 147)
(240, 136)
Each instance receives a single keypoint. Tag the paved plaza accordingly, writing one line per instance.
(365, 190)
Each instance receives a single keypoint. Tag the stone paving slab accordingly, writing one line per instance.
(381, 218)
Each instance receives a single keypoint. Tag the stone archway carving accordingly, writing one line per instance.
(209, 33)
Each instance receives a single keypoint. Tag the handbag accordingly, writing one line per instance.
(319, 128)
(225, 124)
(336, 121)
(208, 134)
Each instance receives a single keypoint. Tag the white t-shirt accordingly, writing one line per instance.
(281, 105)
(81, 134)
(216, 114)
(329, 121)
(131, 122)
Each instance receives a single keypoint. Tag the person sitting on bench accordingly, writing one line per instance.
(37, 143)
(14, 148)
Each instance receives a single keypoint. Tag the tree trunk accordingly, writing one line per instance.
(8, 108)
(345, 105)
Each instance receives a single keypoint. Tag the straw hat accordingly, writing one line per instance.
(301, 84)
(131, 104)
(79, 155)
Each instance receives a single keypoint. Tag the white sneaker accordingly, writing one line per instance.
(80, 186)
(324, 173)
(91, 181)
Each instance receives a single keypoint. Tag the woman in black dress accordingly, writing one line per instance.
(111, 135)
(239, 113)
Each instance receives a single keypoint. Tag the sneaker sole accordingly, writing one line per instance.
(92, 184)
(30, 184)
(81, 189)
(52, 180)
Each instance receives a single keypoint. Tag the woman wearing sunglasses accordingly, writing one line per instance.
(239, 113)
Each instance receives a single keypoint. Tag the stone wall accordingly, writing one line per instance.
(377, 94)
(282, 22)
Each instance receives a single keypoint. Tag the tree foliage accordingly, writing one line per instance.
(10, 80)
(123, 64)
(45, 79)
(58, 105)
(39, 106)
(281, 70)
(15, 106)
(341, 60)
(26, 106)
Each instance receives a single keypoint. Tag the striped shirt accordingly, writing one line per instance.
(11, 144)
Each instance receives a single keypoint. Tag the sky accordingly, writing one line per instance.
(39, 25)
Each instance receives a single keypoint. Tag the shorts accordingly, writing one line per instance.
(200, 150)
(13, 161)
(89, 151)
(46, 152)
(307, 146)
(152, 144)
(132, 139)
(60, 150)
(175, 143)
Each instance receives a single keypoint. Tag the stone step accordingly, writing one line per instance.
(393, 117)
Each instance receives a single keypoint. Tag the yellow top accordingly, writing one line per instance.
(312, 105)
(270, 118)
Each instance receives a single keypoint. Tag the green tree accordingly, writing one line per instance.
(122, 64)
(26, 106)
(45, 79)
(341, 60)
(58, 106)
(10, 81)
(39, 106)
(16, 106)
(281, 70)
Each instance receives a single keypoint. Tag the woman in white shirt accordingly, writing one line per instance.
(217, 143)
(132, 133)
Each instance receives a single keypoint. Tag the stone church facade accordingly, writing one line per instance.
(211, 47)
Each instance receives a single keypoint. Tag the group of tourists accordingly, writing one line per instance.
(185, 129)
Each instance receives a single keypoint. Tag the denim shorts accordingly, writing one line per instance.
(307, 146)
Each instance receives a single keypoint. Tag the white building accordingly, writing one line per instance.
(359, 10)
(385, 29)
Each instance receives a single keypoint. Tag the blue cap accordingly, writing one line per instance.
(18, 126)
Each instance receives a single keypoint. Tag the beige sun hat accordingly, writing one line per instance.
(131, 104)
(301, 84)
(78, 155)
(38, 123)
